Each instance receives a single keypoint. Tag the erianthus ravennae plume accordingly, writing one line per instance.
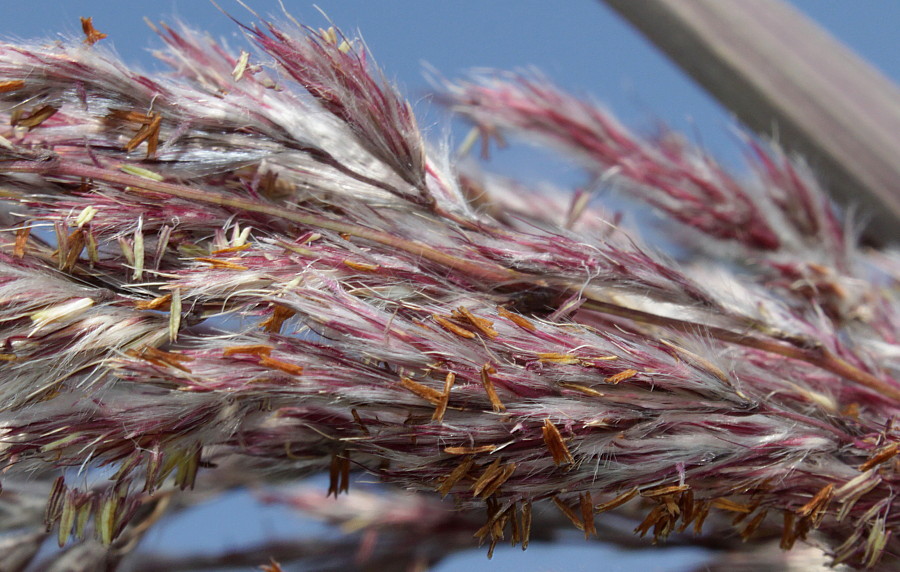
(255, 268)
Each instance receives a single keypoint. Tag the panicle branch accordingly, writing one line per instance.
(210, 270)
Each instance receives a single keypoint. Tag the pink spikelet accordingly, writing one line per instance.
(232, 275)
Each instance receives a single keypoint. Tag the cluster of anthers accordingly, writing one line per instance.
(236, 274)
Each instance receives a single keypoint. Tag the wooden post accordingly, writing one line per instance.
(787, 79)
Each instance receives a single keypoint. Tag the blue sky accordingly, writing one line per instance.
(580, 44)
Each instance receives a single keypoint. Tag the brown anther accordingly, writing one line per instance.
(162, 358)
(279, 316)
(671, 503)
(688, 508)
(739, 517)
(699, 361)
(272, 566)
(74, 245)
(275, 189)
(470, 450)
(592, 361)
(487, 133)
(453, 328)
(514, 532)
(555, 444)
(497, 481)
(663, 491)
(788, 534)
(149, 132)
(664, 526)
(484, 531)
(427, 393)
(128, 116)
(281, 365)
(516, 319)
(492, 471)
(753, 525)
(258, 350)
(621, 376)
(55, 500)
(339, 475)
(486, 370)
(455, 476)
(851, 410)
(553, 357)
(34, 118)
(93, 253)
(361, 266)
(701, 513)
(814, 510)
(650, 521)
(483, 325)
(573, 517)
(229, 249)
(880, 456)
(11, 85)
(441, 408)
(618, 501)
(730, 505)
(219, 264)
(580, 388)
(91, 35)
(160, 303)
(21, 241)
(526, 523)
(587, 515)
(491, 547)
